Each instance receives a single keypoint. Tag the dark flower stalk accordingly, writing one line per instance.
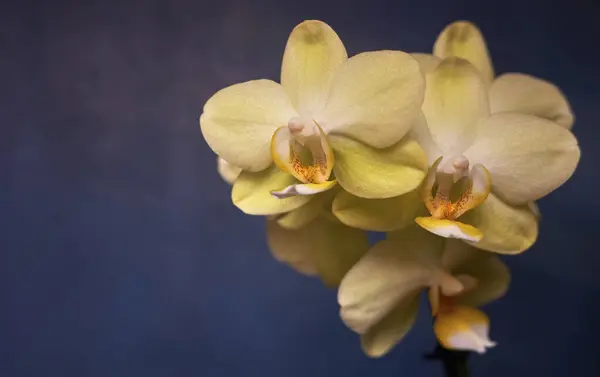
(455, 362)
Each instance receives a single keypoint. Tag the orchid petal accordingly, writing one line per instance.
(527, 157)
(455, 101)
(381, 215)
(506, 229)
(252, 192)
(375, 98)
(391, 274)
(312, 54)
(464, 40)
(520, 93)
(378, 173)
(238, 122)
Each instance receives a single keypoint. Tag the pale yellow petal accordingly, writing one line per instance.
(326, 248)
(238, 122)
(252, 192)
(228, 172)
(382, 215)
(463, 39)
(312, 54)
(388, 276)
(375, 97)
(521, 93)
(379, 340)
(455, 101)
(378, 173)
(506, 229)
(527, 157)
(427, 62)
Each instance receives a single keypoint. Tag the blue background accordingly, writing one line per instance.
(121, 254)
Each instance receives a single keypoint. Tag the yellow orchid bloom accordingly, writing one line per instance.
(501, 223)
(507, 93)
(333, 119)
(379, 296)
(505, 160)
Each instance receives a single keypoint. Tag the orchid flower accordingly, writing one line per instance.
(490, 161)
(505, 160)
(379, 296)
(509, 92)
(333, 119)
(517, 127)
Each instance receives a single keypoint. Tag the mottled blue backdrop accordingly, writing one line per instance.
(121, 254)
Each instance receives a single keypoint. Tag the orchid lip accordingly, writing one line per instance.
(302, 150)
(463, 328)
(449, 190)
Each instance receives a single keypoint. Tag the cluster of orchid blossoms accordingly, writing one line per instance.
(433, 149)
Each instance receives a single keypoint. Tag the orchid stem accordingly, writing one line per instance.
(455, 362)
